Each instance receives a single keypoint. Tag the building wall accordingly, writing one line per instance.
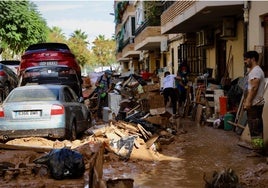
(237, 67)
(256, 31)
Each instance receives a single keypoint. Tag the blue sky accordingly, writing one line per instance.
(92, 17)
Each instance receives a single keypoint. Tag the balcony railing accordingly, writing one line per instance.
(147, 23)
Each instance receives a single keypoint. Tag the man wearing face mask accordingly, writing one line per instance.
(253, 93)
(103, 85)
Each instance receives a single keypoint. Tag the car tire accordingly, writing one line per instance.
(73, 131)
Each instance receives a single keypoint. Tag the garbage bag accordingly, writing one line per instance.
(63, 163)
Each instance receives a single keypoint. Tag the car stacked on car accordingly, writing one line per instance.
(47, 54)
(48, 101)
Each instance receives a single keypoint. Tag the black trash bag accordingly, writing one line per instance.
(63, 163)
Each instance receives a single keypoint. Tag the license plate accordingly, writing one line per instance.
(44, 63)
(28, 114)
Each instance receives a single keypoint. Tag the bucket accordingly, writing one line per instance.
(223, 105)
(228, 117)
(107, 115)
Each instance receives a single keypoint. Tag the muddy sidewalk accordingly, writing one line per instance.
(195, 153)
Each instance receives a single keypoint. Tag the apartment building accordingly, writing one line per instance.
(207, 35)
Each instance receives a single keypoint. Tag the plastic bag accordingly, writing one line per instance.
(63, 163)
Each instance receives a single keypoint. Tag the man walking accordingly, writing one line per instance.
(169, 91)
(254, 91)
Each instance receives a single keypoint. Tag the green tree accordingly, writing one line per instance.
(104, 51)
(20, 25)
(56, 35)
(80, 35)
(78, 44)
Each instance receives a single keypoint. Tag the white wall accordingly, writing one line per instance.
(256, 31)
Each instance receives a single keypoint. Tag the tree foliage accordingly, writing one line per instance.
(79, 34)
(56, 35)
(79, 49)
(20, 25)
(103, 51)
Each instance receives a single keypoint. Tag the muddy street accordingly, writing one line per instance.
(184, 161)
(196, 152)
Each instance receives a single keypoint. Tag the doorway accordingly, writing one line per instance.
(220, 59)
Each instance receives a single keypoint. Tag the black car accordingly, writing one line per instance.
(59, 75)
(12, 64)
(8, 81)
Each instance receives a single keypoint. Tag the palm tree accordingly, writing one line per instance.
(56, 35)
(78, 34)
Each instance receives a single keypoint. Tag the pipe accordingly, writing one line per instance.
(246, 20)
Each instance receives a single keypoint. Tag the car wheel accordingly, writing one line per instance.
(73, 135)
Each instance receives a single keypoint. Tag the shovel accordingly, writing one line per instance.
(245, 136)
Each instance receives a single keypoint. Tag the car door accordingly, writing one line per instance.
(75, 110)
(12, 77)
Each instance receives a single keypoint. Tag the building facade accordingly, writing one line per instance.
(210, 36)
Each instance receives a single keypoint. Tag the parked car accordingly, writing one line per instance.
(59, 74)
(50, 111)
(8, 81)
(12, 64)
(47, 54)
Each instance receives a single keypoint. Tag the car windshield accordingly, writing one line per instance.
(45, 75)
(33, 95)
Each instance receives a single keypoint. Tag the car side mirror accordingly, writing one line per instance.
(81, 99)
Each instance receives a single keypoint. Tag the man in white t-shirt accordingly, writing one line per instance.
(254, 91)
(169, 91)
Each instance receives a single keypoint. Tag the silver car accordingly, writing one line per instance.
(52, 111)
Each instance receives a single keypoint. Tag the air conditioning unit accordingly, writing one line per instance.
(228, 27)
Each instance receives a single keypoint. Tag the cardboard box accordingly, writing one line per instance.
(157, 104)
(158, 120)
(151, 87)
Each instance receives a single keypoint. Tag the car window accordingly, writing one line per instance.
(33, 95)
(48, 46)
(68, 96)
(9, 71)
(46, 75)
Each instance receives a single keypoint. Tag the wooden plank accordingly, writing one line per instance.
(198, 115)
(150, 142)
(127, 126)
(142, 131)
(20, 147)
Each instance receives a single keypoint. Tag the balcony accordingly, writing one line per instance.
(120, 58)
(193, 16)
(148, 37)
(128, 50)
